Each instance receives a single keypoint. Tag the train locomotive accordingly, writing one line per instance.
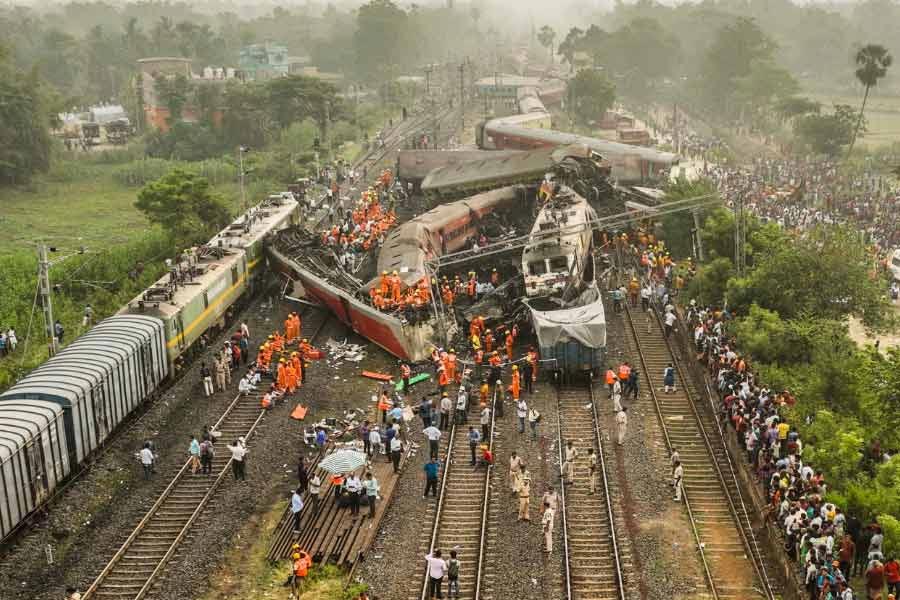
(54, 418)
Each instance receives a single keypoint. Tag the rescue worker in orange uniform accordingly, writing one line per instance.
(610, 378)
(479, 358)
(297, 364)
(450, 364)
(299, 569)
(291, 376)
(488, 341)
(477, 326)
(443, 379)
(509, 344)
(396, 286)
(289, 329)
(385, 283)
(624, 372)
(298, 325)
(447, 295)
(516, 386)
(471, 286)
(281, 378)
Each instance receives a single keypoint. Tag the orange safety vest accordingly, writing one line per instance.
(515, 385)
(610, 377)
(301, 565)
(443, 379)
(479, 356)
(624, 372)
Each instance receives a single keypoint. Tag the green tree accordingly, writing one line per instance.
(174, 93)
(183, 205)
(381, 41)
(872, 62)
(295, 98)
(570, 45)
(546, 36)
(678, 227)
(824, 273)
(828, 133)
(591, 94)
(730, 57)
(24, 124)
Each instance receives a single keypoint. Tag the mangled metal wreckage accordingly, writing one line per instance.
(486, 229)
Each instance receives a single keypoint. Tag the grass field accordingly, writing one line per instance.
(882, 114)
(88, 208)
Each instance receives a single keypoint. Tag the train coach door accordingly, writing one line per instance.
(34, 455)
(101, 418)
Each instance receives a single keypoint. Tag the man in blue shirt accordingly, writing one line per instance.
(431, 477)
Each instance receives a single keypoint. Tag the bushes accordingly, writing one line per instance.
(140, 172)
(106, 280)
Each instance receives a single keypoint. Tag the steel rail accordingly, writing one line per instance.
(484, 514)
(562, 492)
(436, 526)
(662, 422)
(197, 511)
(139, 529)
(150, 513)
(750, 543)
(620, 581)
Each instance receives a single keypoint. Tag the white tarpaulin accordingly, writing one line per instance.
(585, 322)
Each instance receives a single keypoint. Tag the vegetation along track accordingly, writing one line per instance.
(460, 520)
(143, 557)
(594, 559)
(733, 564)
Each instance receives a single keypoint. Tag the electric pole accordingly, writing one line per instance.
(46, 302)
(462, 96)
(241, 151)
(698, 237)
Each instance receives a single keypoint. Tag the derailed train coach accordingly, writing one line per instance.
(54, 418)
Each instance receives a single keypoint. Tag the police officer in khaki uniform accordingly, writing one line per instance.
(524, 493)
(515, 462)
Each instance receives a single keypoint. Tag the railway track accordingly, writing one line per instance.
(594, 558)
(733, 565)
(460, 520)
(142, 559)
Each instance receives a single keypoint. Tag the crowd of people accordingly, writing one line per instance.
(830, 545)
(800, 192)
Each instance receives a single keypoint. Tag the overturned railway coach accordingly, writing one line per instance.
(54, 418)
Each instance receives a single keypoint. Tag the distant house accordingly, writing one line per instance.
(264, 61)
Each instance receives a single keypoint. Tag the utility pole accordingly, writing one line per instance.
(46, 302)
(740, 257)
(675, 127)
(241, 151)
(462, 96)
(697, 235)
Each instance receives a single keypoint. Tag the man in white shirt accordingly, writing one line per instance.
(244, 386)
(375, 441)
(437, 567)
(446, 406)
(485, 424)
(678, 480)
(353, 486)
(238, 452)
(147, 460)
(434, 437)
(670, 322)
(396, 450)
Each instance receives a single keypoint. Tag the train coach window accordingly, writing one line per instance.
(537, 267)
(559, 263)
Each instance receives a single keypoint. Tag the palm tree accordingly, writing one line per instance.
(872, 61)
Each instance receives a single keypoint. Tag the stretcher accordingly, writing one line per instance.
(413, 380)
(378, 376)
(299, 412)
